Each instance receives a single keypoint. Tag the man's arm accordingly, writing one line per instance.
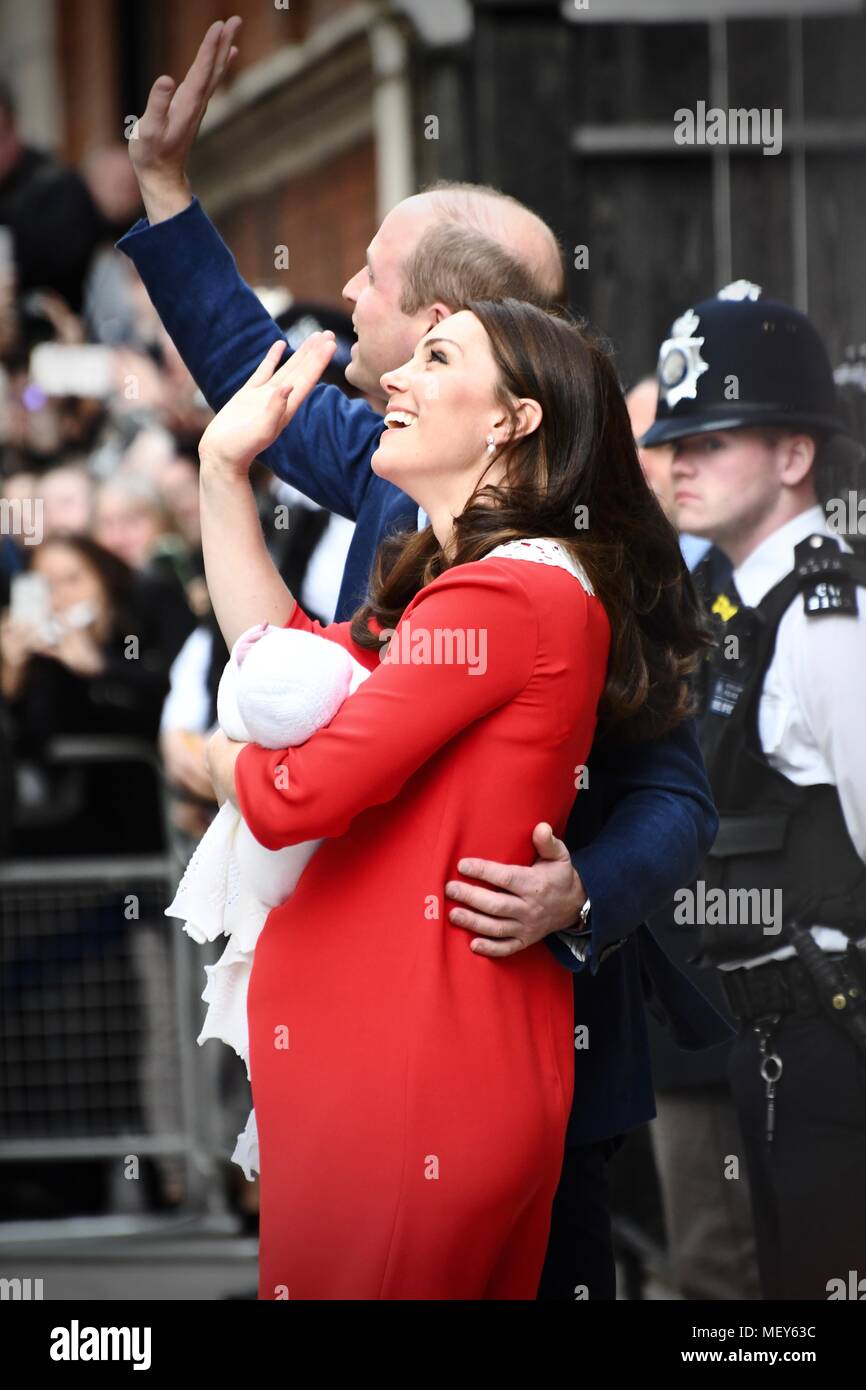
(244, 585)
(638, 832)
(222, 332)
(218, 325)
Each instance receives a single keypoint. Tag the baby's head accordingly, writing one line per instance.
(283, 685)
(248, 639)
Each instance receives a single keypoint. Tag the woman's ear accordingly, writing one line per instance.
(527, 416)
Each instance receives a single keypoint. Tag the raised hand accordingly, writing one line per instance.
(163, 137)
(250, 422)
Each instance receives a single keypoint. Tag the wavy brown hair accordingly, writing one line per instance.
(582, 455)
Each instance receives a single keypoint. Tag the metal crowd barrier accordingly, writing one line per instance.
(99, 1011)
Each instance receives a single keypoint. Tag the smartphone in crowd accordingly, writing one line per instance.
(7, 253)
(67, 369)
(30, 601)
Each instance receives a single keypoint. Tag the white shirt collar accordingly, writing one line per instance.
(774, 557)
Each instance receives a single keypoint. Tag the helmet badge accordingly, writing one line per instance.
(680, 361)
(739, 290)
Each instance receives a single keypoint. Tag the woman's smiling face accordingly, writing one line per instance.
(442, 406)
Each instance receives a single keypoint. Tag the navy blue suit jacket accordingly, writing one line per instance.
(643, 825)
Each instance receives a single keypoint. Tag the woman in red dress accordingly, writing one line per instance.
(411, 1095)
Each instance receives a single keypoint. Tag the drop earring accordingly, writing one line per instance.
(491, 443)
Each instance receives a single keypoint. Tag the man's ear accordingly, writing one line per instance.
(437, 312)
(799, 456)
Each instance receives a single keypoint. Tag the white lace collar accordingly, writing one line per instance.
(545, 552)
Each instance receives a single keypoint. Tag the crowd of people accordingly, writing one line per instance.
(106, 626)
(99, 429)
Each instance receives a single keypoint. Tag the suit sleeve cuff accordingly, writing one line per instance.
(590, 944)
(158, 230)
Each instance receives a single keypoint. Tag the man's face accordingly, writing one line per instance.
(726, 484)
(126, 528)
(656, 463)
(68, 498)
(386, 336)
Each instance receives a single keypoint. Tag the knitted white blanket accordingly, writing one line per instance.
(279, 686)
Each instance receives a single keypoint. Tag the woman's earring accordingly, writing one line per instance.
(491, 444)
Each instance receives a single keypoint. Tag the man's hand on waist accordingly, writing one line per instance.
(524, 904)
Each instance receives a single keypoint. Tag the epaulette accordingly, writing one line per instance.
(828, 575)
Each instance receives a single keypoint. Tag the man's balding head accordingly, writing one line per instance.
(436, 252)
(514, 228)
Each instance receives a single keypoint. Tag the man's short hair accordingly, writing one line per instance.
(773, 434)
(456, 265)
(457, 260)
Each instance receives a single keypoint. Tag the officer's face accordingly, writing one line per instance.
(728, 486)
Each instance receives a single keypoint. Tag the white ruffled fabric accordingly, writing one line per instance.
(246, 1150)
(278, 687)
(543, 551)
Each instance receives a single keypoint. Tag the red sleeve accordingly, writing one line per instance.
(335, 632)
(403, 713)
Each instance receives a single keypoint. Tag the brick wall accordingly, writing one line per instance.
(326, 218)
(87, 38)
(265, 26)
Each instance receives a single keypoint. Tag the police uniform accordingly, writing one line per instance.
(708, 1220)
(782, 896)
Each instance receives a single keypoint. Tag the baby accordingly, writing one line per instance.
(279, 686)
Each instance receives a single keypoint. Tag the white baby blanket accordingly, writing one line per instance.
(279, 686)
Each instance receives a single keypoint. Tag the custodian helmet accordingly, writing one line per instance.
(741, 359)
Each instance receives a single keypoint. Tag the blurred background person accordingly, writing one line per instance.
(40, 197)
(67, 493)
(656, 464)
(21, 490)
(89, 658)
(131, 519)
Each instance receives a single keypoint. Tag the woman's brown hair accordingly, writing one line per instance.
(114, 574)
(580, 466)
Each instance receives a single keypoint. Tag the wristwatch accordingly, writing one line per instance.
(582, 924)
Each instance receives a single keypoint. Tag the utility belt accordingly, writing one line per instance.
(776, 987)
(811, 982)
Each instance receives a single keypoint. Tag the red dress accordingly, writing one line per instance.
(412, 1097)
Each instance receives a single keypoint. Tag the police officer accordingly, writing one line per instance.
(708, 1221)
(746, 397)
